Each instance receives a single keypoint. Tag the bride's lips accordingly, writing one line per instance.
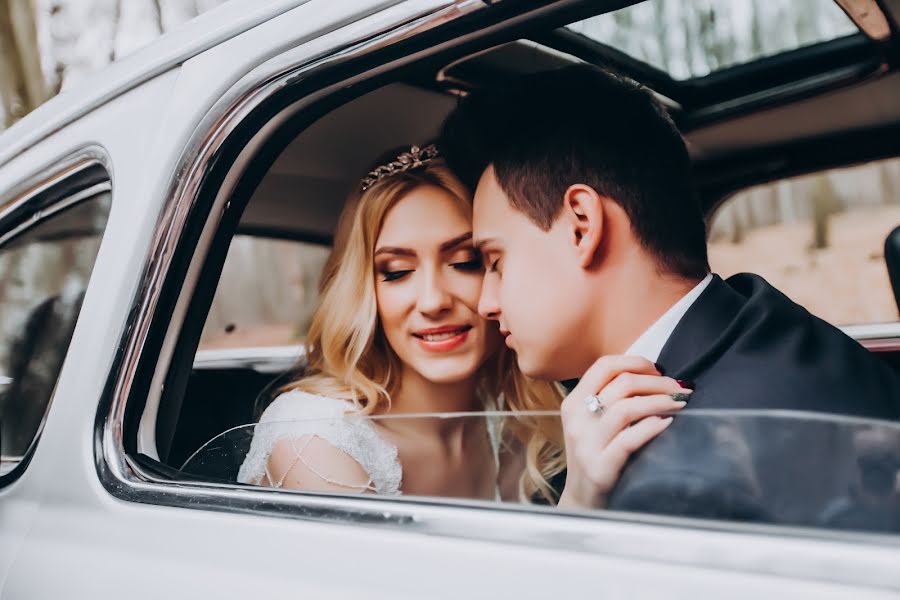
(507, 338)
(442, 339)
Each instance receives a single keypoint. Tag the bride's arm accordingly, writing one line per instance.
(311, 464)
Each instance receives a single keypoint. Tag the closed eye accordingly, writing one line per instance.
(394, 275)
(469, 265)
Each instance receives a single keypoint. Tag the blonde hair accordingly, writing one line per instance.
(348, 355)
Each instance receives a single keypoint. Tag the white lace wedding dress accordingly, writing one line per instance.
(302, 415)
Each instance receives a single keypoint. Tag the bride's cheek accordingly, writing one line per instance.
(470, 290)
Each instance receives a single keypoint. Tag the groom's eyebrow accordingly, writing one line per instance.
(479, 244)
(450, 244)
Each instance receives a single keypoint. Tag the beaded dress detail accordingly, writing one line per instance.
(297, 414)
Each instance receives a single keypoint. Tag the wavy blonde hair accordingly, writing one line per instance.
(348, 354)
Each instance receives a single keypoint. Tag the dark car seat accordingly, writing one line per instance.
(892, 260)
(215, 401)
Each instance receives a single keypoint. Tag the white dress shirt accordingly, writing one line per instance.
(651, 342)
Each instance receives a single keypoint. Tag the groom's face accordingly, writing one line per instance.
(532, 285)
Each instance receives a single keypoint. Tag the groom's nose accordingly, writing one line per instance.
(488, 304)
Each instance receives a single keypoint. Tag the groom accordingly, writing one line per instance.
(595, 246)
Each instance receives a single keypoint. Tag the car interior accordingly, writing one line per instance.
(800, 110)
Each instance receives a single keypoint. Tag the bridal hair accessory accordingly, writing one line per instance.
(592, 404)
(416, 157)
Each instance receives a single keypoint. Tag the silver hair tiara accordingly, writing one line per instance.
(416, 157)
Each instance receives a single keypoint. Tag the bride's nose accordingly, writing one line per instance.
(433, 295)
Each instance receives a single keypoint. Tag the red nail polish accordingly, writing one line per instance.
(685, 383)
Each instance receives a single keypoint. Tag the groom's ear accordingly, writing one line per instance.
(584, 215)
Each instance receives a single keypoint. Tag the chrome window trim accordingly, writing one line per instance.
(40, 216)
(29, 191)
(51, 175)
(791, 552)
(266, 359)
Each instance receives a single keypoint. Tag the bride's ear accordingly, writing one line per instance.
(584, 214)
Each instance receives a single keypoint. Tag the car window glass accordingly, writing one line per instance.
(818, 238)
(478, 455)
(44, 272)
(752, 466)
(269, 305)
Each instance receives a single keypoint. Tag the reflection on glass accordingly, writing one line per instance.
(44, 273)
(776, 467)
(476, 455)
(687, 38)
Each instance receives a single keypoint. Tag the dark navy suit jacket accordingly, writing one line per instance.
(745, 345)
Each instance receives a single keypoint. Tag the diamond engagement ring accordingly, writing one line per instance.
(593, 404)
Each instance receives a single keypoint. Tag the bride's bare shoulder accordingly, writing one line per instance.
(313, 464)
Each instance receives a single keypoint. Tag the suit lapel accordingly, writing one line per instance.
(704, 328)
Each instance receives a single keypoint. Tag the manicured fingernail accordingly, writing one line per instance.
(667, 421)
(685, 383)
(680, 397)
(681, 403)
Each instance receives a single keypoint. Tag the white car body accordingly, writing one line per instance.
(79, 523)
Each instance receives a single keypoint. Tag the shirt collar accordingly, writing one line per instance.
(651, 342)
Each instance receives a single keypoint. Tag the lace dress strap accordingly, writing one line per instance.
(295, 414)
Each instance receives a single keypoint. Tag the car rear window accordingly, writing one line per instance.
(266, 295)
(818, 238)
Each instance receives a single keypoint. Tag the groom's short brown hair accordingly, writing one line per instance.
(547, 131)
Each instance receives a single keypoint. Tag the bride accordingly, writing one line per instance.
(397, 332)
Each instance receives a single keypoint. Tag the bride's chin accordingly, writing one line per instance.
(451, 374)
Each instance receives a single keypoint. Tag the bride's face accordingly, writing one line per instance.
(427, 283)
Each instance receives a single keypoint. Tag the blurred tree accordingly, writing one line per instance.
(825, 203)
(22, 86)
(889, 177)
(47, 46)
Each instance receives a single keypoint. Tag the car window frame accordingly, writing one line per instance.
(72, 179)
(130, 478)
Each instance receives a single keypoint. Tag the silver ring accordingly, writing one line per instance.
(593, 404)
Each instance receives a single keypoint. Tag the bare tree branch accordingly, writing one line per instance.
(117, 16)
(157, 13)
(21, 80)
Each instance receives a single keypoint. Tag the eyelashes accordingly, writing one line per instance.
(475, 264)
(394, 275)
(469, 266)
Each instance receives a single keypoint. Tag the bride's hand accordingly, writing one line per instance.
(632, 397)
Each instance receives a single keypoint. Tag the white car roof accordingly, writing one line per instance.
(166, 52)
